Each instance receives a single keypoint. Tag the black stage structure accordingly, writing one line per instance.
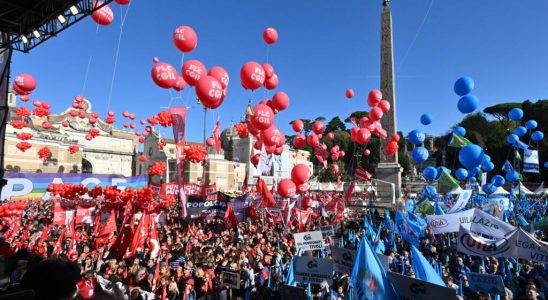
(25, 24)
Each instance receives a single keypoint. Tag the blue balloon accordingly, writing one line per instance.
(420, 154)
(426, 119)
(546, 164)
(498, 180)
(440, 170)
(537, 136)
(515, 114)
(531, 124)
(461, 173)
(468, 104)
(512, 139)
(463, 85)
(486, 159)
(520, 131)
(512, 176)
(429, 173)
(489, 166)
(488, 188)
(459, 130)
(471, 156)
(476, 170)
(417, 137)
(472, 179)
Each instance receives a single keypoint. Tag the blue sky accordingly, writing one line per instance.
(324, 47)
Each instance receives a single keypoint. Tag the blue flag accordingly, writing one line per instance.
(290, 280)
(408, 229)
(368, 278)
(420, 221)
(522, 222)
(507, 166)
(423, 270)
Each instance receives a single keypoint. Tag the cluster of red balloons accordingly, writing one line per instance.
(298, 182)
(143, 158)
(195, 153)
(44, 153)
(392, 146)
(157, 169)
(12, 210)
(23, 146)
(22, 112)
(73, 149)
(242, 129)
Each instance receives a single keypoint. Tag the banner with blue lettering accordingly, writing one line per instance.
(23, 186)
(486, 283)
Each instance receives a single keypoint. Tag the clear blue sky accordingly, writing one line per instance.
(324, 47)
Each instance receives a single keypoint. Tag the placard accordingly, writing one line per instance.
(327, 230)
(486, 283)
(343, 260)
(313, 270)
(230, 279)
(311, 240)
(409, 288)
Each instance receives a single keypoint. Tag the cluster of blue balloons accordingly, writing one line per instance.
(489, 188)
(468, 102)
(516, 114)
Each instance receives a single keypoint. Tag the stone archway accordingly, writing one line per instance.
(87, 167)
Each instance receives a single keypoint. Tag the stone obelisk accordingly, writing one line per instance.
(388, 168)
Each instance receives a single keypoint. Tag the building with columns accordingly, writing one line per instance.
(112, 152)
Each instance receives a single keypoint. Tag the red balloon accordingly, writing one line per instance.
(258, 145)
(110, 113)
(92, 120)
(318, 127)
(46, 125)
(102, 16)
(37, 103)
(279, 150)
(19, 91)
(363, 136)
(164, 75)
(25, 83)
(280, 101)
(335, 168)
(210, 91)
(270, 149)
(82, 114)
(271, 82)
(287, 188)
(299, 140)
(131, 116)
(263, 117)
(73, 113)
(313, 140)
(301, 189)
(374, 97)
(185, 38)
(126, 124)
(270, 35)
(24, 98)
(375, 114)
(89, 137)
(125, 114)
(341, 154)
(330, 136)
(192, 71)
(354, 132)
(180, 84)
(297, 125)
(252, 75)
(94, 115)
(122, 2)
(395, 137)
(132, 125)
(300, 173)
(271, 136)
(384, 106)
(220, 74)
(392, 148)
(366, 152)
(349, 93)
(210, 142)
(142, 122)
(65, 123)
(268, 70)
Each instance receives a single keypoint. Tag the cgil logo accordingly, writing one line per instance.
(438, 223)
(312, 264)
(307, 237)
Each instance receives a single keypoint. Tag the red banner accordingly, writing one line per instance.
(83, 215)
(172, 188)
(59, 215)
(178, 115)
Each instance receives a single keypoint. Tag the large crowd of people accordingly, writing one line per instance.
(193, 258)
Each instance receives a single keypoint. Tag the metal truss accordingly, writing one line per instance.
(53, 25)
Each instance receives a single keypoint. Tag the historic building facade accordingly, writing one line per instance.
(112, 152)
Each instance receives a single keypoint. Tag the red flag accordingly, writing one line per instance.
(244, 184)
(70, 229)
(230, 218)
(268, 199)
(44, 236)
(153, 242)
(83, 215)
(124, 247)
(178, 114)
(252, 213)
(59, 244)
(300, 220)
(59, 215)
(350, 191)
(217, 136)
(141, 233)
(109, 226)
(362, 174)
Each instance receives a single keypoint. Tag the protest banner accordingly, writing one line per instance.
(327, 230)
(230, 279)
(290, 292)
(473, 219)
(313, 270)
(519, 244)
(409, 288)
(22, 186)
(212, 206)
(486, 283)
(192, 189)
(462, 200)
(343, 260)
(311, 240)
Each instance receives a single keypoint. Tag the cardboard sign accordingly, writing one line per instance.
(290, 292)
(230, 279)
(409, 288)
(343, 260)
(311, 240)
(313, 270)
(486, 283)
(327, 230)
